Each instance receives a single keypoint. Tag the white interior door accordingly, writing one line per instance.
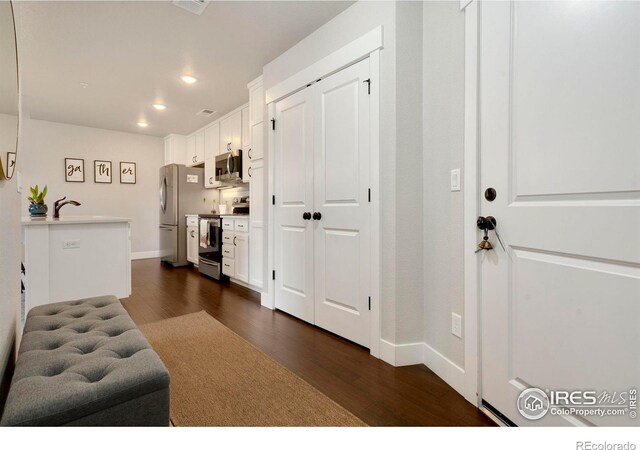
(341, 224)
(560, 134)
(294, 197)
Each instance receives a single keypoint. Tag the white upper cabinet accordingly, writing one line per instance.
(256, 224)
(200, 147)
(212, 141)
(256, 101)
(175, 148)
(231, 132)
(195, 149)
(257, 141)
(246, 146)
(256, 119)
(191, 150)
(211, 150)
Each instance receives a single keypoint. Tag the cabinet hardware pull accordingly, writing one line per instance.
(234, 240)
(249, 171)
(249, 153)
(317, 216)
(306, 215)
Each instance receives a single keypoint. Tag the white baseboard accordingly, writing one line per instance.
(420, 353)
(446, 369)
(145, 255)
(247, 285)
(265, 300)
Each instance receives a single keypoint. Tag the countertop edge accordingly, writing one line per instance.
(71, 220)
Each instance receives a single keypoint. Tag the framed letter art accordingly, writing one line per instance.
(128, 173)
(11, 164)
(74, 170)
(101, 171)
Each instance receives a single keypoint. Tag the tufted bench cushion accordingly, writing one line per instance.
(85, 363)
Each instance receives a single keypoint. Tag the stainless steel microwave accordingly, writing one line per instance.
(229, 167)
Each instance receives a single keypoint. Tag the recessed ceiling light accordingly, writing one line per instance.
(143, 124)
(84, 85)
(188, 79)
(159, 106)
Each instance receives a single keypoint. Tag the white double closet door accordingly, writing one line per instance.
(322, 215)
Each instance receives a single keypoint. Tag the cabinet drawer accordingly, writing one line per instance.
(227, 238)
(228, 250)
(192, 221)
(229, 267)
(242, 225)
(228, 224)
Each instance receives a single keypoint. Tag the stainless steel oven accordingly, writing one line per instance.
(210, 246)
(229, 167)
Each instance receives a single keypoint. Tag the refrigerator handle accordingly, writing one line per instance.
(163, 195)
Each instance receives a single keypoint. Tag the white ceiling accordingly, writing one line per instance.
(132, 53)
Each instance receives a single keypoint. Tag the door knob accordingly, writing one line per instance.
(486, 224)
(306, 216)
(317, 216)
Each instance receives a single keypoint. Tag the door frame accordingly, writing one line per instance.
(366, 46)
(471, 186)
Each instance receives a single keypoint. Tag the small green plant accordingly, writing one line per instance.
(37, 198)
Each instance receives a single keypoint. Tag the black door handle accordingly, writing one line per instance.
(317, 216)
(306, 216)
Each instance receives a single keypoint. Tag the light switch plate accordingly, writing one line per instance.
(71, 244)
(456, 325)
(455, 180)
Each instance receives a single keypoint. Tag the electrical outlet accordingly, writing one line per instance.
(456, 325)
(455, 180)
(71, 244)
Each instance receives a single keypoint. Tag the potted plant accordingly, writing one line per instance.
(37, 208)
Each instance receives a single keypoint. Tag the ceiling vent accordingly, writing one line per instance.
(206, 112)
(193, 6)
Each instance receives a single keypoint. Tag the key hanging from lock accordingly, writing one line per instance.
(484, 243)
(486, 224)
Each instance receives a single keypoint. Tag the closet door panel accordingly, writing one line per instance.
(341, 183)
(294, 197)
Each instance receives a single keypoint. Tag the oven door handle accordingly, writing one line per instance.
(208, 263)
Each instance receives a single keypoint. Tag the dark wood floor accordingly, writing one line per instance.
(379, 394)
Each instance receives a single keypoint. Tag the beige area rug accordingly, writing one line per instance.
(220, 379)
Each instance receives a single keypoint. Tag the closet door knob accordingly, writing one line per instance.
(306, 216)
(317, 216)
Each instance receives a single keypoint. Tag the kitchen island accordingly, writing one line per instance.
(70, 258)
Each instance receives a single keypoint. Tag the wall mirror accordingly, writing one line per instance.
(8, 92)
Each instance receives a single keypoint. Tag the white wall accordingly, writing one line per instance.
(46, 144)
(409, 182)
(443, 118)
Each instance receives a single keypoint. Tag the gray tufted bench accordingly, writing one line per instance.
(85, 363)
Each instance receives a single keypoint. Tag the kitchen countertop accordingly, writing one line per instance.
(69, 220)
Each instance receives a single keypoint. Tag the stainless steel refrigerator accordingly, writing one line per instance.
(181, 192)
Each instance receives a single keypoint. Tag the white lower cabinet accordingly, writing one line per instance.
(242, 256)
(229, 267)
(235, 248)
(192, 239)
